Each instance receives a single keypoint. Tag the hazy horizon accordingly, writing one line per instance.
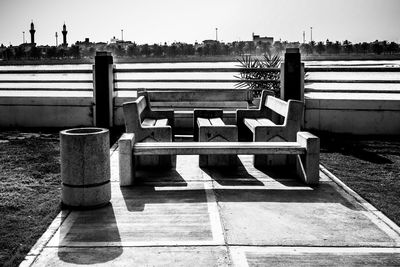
(161, 21)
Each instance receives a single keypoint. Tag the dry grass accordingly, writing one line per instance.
(368, 165)
(30, 188)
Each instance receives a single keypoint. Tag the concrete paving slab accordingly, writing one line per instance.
(297, 217)
(134, 256)
(315, 256)
(143, 215)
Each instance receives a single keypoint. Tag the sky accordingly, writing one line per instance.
(159, 21)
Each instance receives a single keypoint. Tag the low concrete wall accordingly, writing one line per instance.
(360, 114)
(46, 111)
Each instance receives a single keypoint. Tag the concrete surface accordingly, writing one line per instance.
(195, 216)
(353, 113)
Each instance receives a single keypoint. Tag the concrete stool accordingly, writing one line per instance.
(209, 127)
(85, 167)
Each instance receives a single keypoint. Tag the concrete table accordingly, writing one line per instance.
(209, 127)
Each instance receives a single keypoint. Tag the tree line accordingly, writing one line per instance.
(207, 48)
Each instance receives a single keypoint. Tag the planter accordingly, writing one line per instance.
(85, 167)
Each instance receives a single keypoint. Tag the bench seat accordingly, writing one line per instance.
(155, 122)
(223, 148)
(257, 122)
(305, 150)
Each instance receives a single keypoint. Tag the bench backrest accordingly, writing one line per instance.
(290, 111)
(133, 113)
(188, 100)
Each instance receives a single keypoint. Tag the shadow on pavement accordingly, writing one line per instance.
(86, 227)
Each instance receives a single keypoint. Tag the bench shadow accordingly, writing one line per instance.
(81, 228)
(284, 175)
(159, 177)
(136, 197)
(232, 176)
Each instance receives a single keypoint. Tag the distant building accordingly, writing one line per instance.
(210, 42)
(32, 32)
(258, 40)
(64, 33)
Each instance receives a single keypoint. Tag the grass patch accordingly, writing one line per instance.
(368, 165)
(30, 187)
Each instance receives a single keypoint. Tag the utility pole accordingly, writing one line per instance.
(216, 34)
(122, 35)
(56, 39)
(23, 37)
(310, 34)
(304, 37)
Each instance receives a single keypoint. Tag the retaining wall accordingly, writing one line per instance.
(360, 114)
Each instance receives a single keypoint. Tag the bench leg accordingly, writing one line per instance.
(227, 133)
(307, 165)
(163, 161)
(265, 161)
(126, 159)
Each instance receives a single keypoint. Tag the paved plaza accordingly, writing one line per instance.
(193, 216)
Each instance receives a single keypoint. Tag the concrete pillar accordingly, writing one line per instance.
(103, 90)
(85, 167)
(292, 76)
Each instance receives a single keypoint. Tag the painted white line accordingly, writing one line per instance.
(238, 255)
(215, 220)
(383, 222)
(45, 238)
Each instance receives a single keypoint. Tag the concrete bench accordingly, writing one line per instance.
(306, 150)
(274, 121)
(183, 102)
(149, 126)
(209, 127)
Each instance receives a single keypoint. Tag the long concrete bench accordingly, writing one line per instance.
(149, 126)
(274, 121)
(306, 149)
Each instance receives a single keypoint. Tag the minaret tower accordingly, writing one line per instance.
(32, 31)
(64, 33)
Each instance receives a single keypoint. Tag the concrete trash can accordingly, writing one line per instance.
(85, 167)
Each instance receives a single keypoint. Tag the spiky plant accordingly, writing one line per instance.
(255, 74)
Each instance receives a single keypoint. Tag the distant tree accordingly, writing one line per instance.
(320, 48)
(157, 50)
(51, 52)
(215, 49)
(75, 51)
(306, 49)
(278, 46)
(19, 52)
(35, 53)
(132, 50)
(365, 47)
(393, 48)
(145, 50)
(172, 51)
(266, 48)
(312, 47)
(377, 48)
(348, 47)
(336, 47)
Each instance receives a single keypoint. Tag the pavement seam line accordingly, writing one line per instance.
(365, 204)
(45, 238)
